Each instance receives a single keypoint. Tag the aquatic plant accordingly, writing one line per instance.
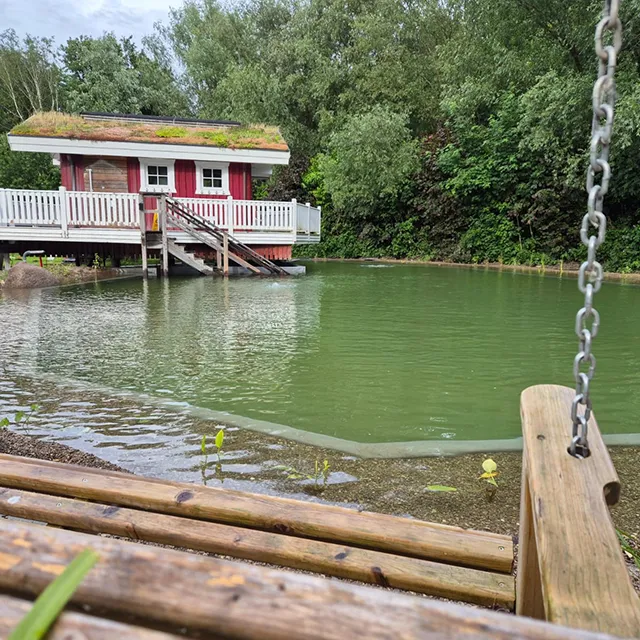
(490, 472)
(218, 442)
(20, 416)
(440, 488)
(319, 472)
(53, 599)
(203, 446)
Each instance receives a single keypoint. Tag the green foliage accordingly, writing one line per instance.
(29, 77)
(203, 445)
(440, 488)
(20, 170)
(219, 440)
(20, 416)
(53, 599)
(369, 161)
(111, 75)
(631, 550)
(492, 238)
(490, 469)
(320, 476)
(171, 132)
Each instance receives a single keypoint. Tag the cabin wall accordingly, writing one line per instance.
(106, 175)
(121, 175)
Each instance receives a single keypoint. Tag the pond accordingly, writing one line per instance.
(372, 359)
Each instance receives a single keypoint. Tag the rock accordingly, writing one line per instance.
(29, 276)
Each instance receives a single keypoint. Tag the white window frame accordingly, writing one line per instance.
(201, 190)
(156, 188)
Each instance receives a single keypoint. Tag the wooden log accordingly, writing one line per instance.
(411, 574)
(75, 626)
(235, 600)
(584, 580)
(403, 536)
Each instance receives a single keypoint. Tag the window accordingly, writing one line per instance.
(157, 176)
(212, 178)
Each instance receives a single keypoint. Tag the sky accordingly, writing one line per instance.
(64, 19)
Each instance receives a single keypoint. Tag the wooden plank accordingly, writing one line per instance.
(411, 574)
(167, 587)
(529, 587)
(585, 583)
(404, 536)
(75, 626)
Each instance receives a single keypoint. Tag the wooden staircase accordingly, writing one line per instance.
(189, 258)
(207, 233)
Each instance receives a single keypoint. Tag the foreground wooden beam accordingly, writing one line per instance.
(174, 589)
(411, 574)
(442, 543)
(75, 626)
(571, 568)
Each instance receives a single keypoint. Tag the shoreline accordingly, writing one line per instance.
(570, 270)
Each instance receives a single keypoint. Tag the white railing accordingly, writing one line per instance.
(212, 209)
(24, 206)
(308, 219)
(90, 209)
(86, 209)
(62, 208)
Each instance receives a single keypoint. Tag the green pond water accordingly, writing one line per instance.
(358, 352)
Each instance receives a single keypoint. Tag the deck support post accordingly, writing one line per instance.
(5, 257)
(294, 219)
(230, 215)
(64, 212)
(163, 228)
(218, 259)
(143, 237)
(225, 251)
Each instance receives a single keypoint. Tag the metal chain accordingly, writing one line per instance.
(591, 273)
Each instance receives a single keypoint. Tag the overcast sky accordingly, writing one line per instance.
(64, 19)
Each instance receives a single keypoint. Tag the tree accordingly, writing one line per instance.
(29, 77)
(370, 161)
(26, 170)
(110, 75)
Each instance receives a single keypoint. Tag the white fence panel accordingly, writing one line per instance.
(88, 209)
(263, 215)
(212, 209)
(29, 207)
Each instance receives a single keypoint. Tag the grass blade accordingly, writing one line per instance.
(53, 599)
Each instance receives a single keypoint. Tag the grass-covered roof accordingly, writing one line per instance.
(76, 127)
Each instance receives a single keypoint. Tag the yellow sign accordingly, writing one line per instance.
(154, 224)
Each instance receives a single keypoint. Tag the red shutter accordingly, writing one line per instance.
(66, 176)
(133, 175)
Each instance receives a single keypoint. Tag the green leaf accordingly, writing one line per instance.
(203, 444)
(489, 465)
(219, 439)
(53, 599)
(35, 407)
(440, 488)
(492, 481)
(19, 416)
(4, 422)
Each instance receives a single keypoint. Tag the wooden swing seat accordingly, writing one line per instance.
(571, 569)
